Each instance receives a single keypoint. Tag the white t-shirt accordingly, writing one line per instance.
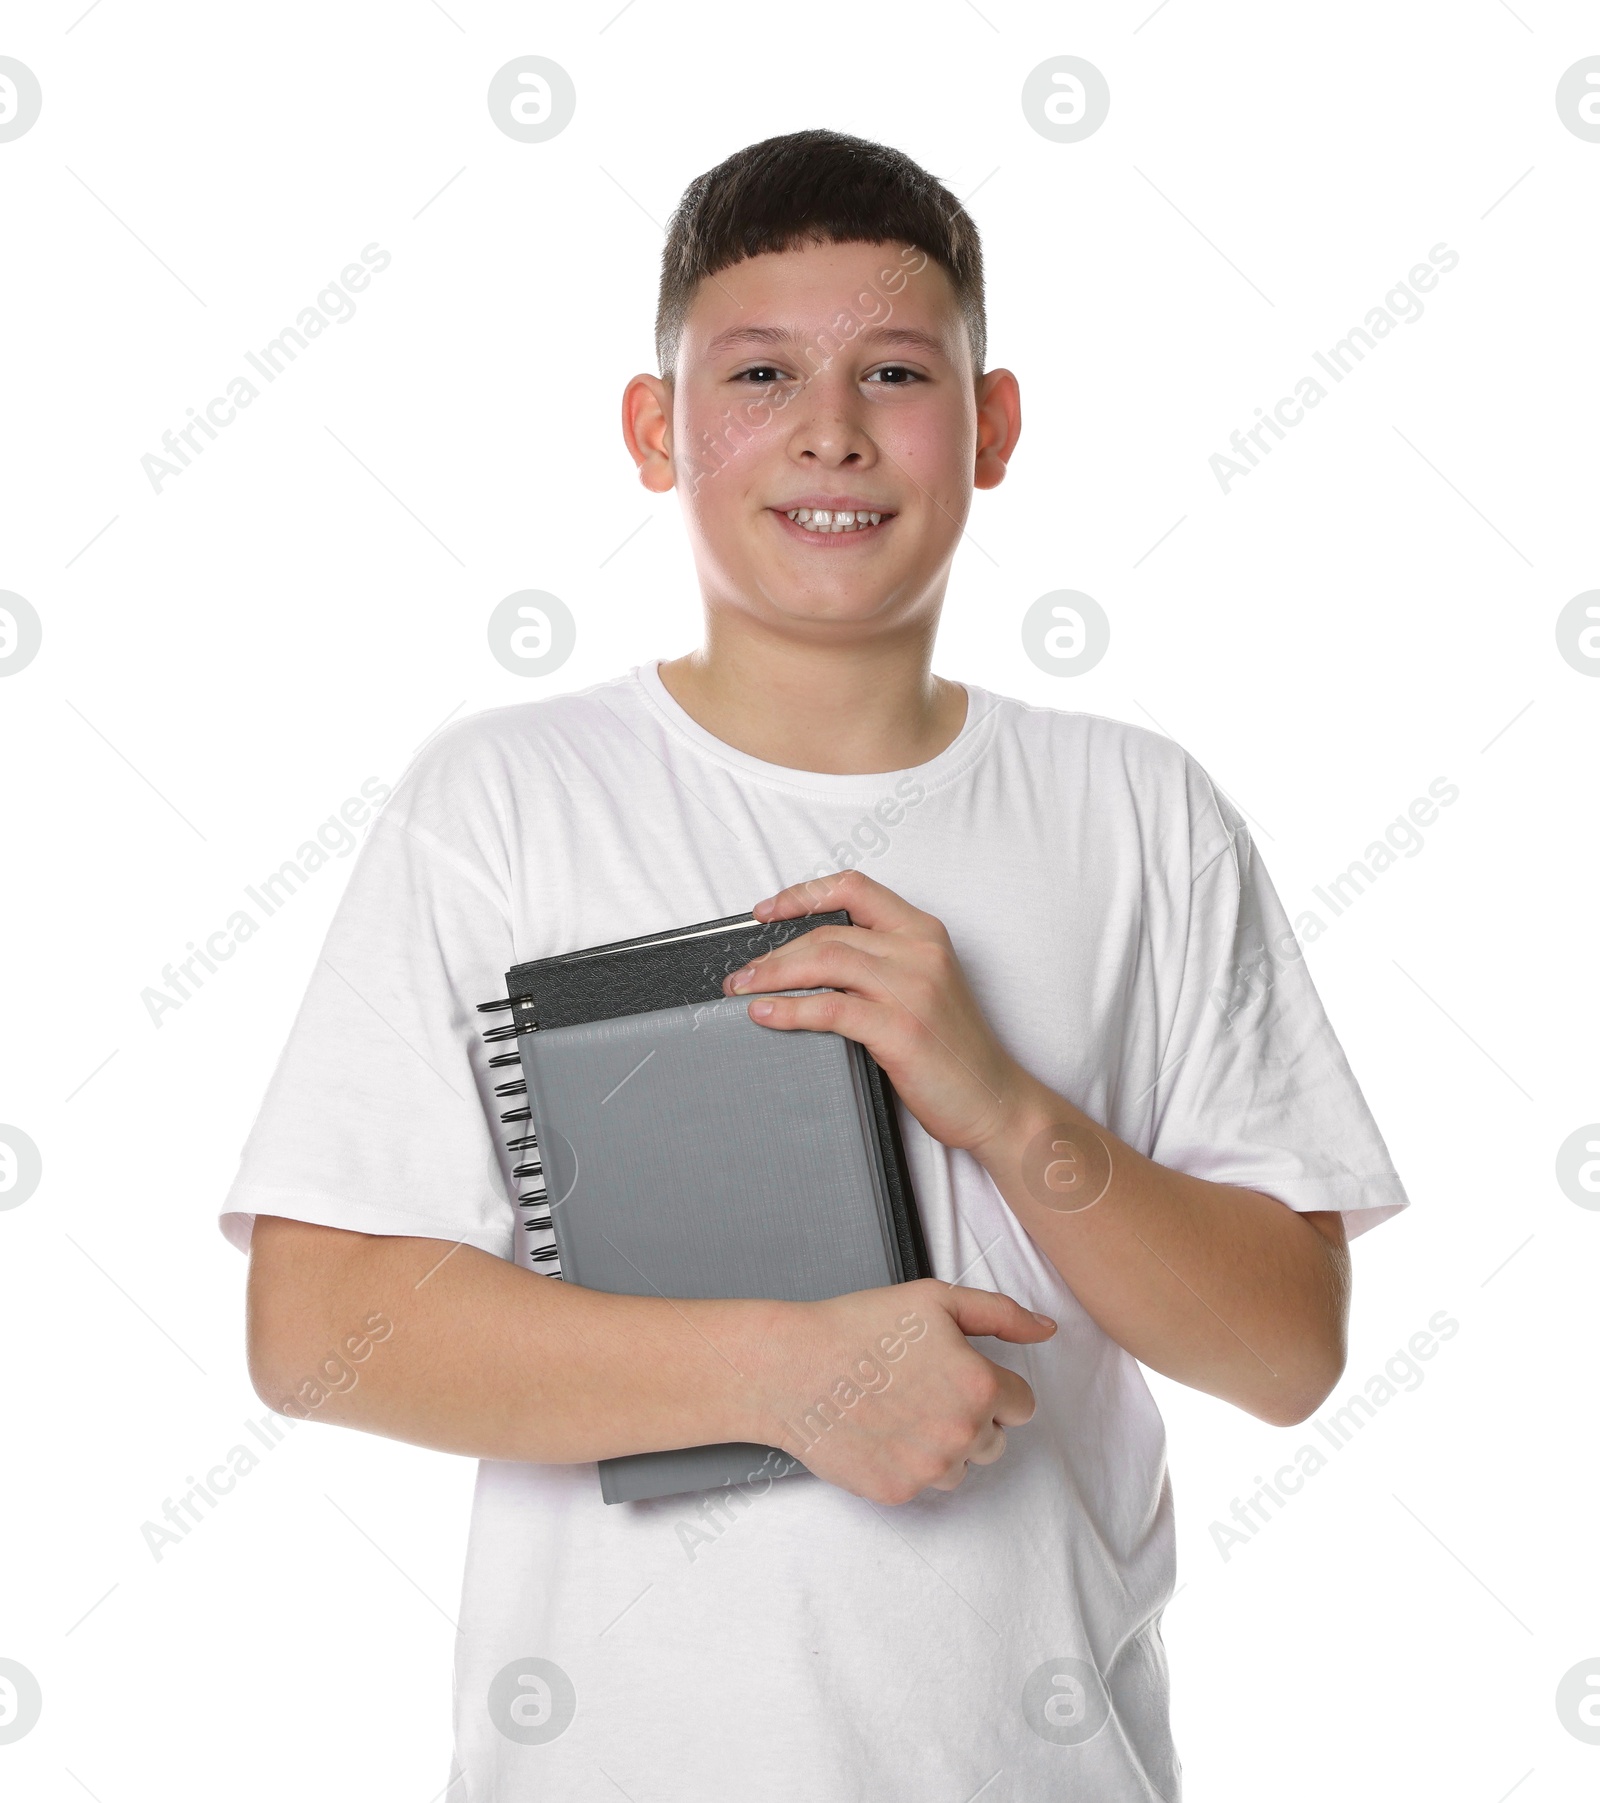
(801, 1644)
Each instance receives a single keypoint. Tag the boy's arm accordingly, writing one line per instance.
(1218, 1287)
(453, 1348)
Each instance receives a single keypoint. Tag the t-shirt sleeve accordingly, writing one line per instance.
(1254, 1088)
(380, 1116)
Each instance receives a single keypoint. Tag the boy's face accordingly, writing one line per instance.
(836, 378)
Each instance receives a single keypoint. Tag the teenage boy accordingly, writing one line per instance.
(1132, 1133)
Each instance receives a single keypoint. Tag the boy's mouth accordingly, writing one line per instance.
(831, 523)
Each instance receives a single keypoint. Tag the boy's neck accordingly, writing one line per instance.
(836, 710)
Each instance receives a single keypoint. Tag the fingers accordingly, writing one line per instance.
(985, 1312)
(826, 957)
(989, 1446)
(955, 1406)
(985, 1449)
(902, 1006)
(830, 1012)
(869, 903)
(853, 1003)
(1014, 1404)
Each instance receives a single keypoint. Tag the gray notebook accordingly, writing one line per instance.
(689, 1152)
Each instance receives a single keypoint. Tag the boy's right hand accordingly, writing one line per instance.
(879, 1391)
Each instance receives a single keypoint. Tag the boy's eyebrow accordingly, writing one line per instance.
(901, 337)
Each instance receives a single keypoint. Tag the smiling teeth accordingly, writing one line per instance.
(842, 519)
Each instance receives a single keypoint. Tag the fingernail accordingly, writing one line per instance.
(1043, 1320)
(742, 979)
(760, 1010)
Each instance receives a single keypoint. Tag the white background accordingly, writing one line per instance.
(226, 661)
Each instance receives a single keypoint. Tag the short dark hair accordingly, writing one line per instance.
(814, 187)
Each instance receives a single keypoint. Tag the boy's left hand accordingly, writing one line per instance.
(901, 994)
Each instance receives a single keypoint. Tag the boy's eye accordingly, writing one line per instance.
(891, 375)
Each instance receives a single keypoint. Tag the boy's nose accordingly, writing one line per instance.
(833, 438)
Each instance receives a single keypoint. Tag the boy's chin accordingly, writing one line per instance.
(845, 607)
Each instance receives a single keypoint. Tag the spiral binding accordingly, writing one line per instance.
(545, 1254)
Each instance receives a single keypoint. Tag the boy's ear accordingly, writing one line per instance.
(647, 430)
(999, 426)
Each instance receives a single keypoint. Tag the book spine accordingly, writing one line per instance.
(909, 1241)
